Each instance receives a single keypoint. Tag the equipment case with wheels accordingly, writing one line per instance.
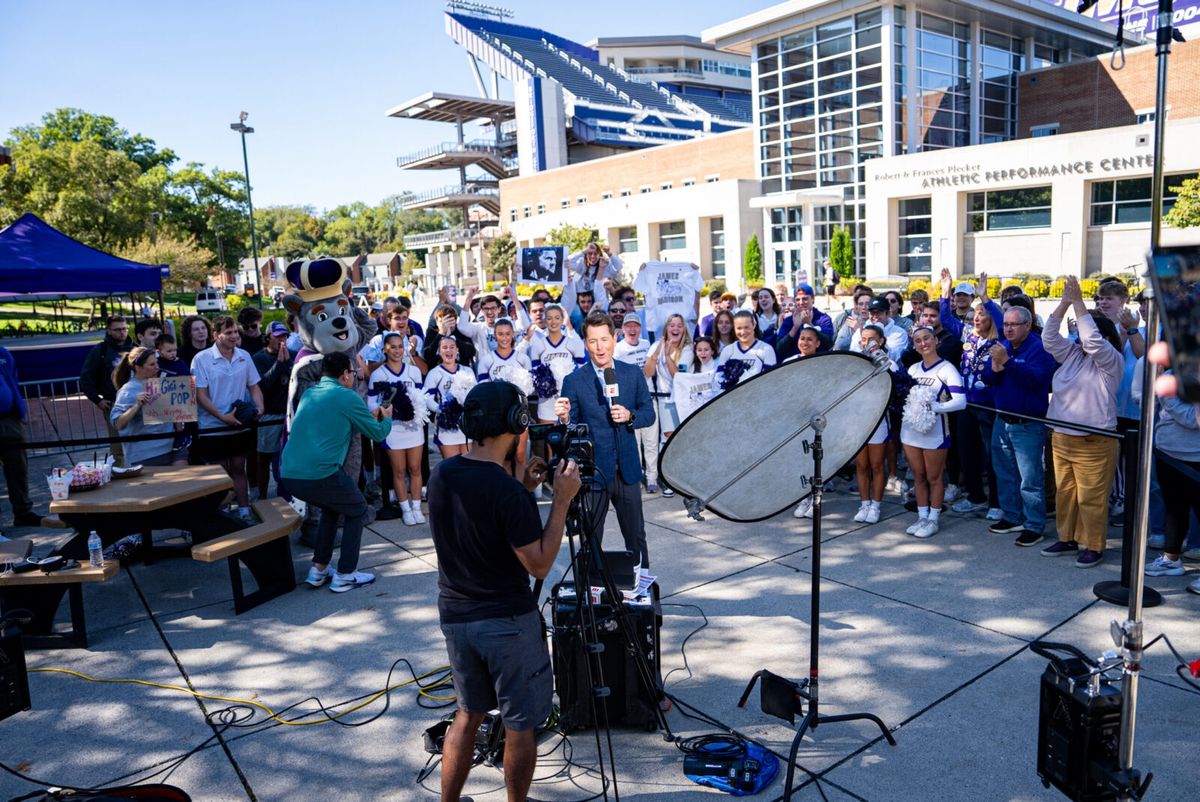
(627, 703)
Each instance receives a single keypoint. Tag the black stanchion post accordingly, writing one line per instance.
(1112, 591)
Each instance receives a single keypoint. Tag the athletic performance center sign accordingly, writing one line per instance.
(1139, 15)
(974, 175)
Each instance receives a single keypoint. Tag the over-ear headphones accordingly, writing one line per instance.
(495, 407)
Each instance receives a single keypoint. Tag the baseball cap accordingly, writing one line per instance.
(729, 296)
(277, 329)
(879, 304)
(632, 317)
(806, 289)
(964, 287)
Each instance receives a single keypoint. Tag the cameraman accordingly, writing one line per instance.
(611, 423)
(489, 538)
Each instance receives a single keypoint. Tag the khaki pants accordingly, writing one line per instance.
(1083, 471)
(116, 449)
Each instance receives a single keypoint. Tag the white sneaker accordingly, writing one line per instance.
(863, 509)
(928, 528)
(995, 514)
(406, 515)
(804, 509)
(344, 582)
(901, 487)
(952, 493)
(912, 530)
(1194, 585)
(1165, 566)
(424, 494)
(418, 516)
(872, 515)
(317, 577)
(1156, 541)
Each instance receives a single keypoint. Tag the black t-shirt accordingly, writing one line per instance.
(478, 514)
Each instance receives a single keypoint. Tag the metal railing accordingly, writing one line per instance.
(59, 411)
(488, 193)
(446, 235)
(666, 68)
(477, 147)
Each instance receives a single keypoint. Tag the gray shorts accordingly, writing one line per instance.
(502, 663)
(269, 437)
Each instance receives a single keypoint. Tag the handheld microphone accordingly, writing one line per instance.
(611, 388)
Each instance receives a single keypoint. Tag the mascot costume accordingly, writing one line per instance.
(327, 320)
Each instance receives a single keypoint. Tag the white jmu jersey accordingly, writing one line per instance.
(759, 356)
(567, 352)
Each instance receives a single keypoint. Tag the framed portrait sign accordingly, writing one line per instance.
(543, 265)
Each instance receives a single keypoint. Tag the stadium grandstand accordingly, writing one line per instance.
(568, 105)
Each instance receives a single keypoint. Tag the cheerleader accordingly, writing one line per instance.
(449, 438)
(557, 351)
(406, 442)
(501, 365)
(808, 342)
(748, 348)
(925, 430)
(869, 462)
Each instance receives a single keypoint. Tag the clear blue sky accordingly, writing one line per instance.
(316, 77)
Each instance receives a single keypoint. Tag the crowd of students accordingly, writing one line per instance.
(995, 414)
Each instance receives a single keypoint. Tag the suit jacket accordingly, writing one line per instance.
(615, 444)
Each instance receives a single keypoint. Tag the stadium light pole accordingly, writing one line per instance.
(243, 129)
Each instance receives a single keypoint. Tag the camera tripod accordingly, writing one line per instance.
(589, 568)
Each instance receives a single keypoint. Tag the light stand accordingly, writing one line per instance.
(243, 129)
(1131, 629)
(1129, 633)
(808, 689)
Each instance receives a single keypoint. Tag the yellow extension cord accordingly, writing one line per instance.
(271, 713)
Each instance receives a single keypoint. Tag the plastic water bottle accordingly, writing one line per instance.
(95, 551)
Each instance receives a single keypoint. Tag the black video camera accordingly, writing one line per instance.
(567, 441)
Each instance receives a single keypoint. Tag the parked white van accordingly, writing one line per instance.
(210, 300)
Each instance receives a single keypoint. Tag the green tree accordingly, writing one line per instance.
(211, 207)
(75, 125)
(100, 197)
(841, 253)
(576, 238)
(291, 232)
(502, 254)
(412, 263)
(190, 263)
(752, 264)
(1186, 211)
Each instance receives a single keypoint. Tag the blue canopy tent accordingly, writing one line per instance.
(37, 258)
(40, 263)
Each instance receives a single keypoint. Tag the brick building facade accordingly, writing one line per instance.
(1088, 95)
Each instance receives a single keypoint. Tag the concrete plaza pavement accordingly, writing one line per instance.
(930, 635)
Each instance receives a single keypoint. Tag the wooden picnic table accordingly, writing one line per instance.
(184, 497)
(188, 497)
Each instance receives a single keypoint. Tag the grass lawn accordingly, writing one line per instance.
(75, 312)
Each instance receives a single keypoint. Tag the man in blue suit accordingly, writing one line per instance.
(618, 467)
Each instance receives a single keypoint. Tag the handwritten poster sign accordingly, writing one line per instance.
(172, 400)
